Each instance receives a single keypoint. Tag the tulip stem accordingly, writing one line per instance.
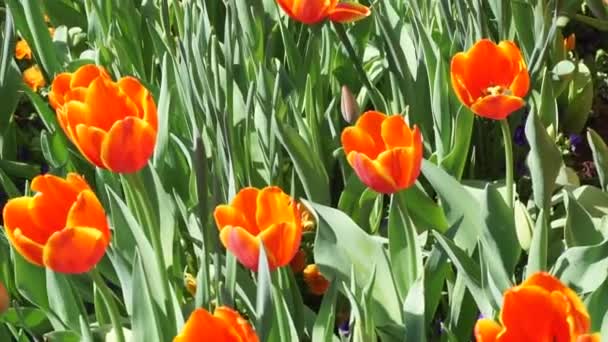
(108, 298)
(506, 135)
(375, 97)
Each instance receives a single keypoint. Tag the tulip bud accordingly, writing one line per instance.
(349, 106)
(190, 283)
(4, 299)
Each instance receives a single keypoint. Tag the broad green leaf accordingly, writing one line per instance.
(263, 308)
(323, 330)
(580, 100)
(600, 156)
(583, 269)
(63, 299)
(413, 312)
(597, 306)
(537, 256)
(341, 245)
(145, 320)
(424, 212)
(544, 161)
(579, 229)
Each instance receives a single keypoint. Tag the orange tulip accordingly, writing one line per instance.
(317, 284)
(314, 11)
(269, 216)
(570, 42)
(225, 325)
(113, 124)
(22, 50)
(384, 152)
(491, 79)
(540, 309)
(33, 78)
(62, 227)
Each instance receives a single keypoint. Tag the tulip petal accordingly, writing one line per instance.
(530, 312)
(356, 139)
(346, 12)
(458, 70)
(128, 145)
(486, 66)
(75, 113)
(486, 330)
(281, 242)
(552, 284)
(107, 104)
(226, 215)
(402, 165)
(85, 75)
(60, 86)
(234, 320)
(16, 215)
(371, 174)
(245, 201)
(74, 249)
(497, 107)
(30, 250)
(87, 211)
(142, 98)
(395, 132)
(202, 326)
(307, 11)
(273, 206)
(589, 338)
(49, 207)
(89, 143)
(242, 244)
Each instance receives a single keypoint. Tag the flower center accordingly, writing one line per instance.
(496, 90)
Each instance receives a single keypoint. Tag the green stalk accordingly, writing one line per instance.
(108, 298)
(374, 95)
(506, 135)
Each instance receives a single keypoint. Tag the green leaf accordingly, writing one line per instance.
(145, 325)
(413, 312)
(455, 161)
(547, 109)
(62, 336)
(579, 229)
(537, 257)
(458, 204)
(469, 270)
(263, 308)
(580, 100)
(323, 330)
(308, 165)
(544, 161)
(600, 156)
(424, 212)
(583, 269)
(341, 245)
(597, 306)
(405, 252)
(62, 299)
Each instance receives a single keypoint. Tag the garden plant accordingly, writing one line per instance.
(304, 170)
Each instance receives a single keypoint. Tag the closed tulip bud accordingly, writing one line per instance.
(190, 283)
(4, 299)
(349, 105)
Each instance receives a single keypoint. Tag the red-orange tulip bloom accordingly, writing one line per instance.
(33, 78)
(491, 79)
(113, 124)
(225, 325)
(62, 227)
(314, 11)
(269, 216)
(384, 152)
(316, 282)
(540, 309)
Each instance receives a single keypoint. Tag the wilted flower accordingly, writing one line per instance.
(384, 152)
(314, 11)
(33, 78)
(113, 124)
(298, 263)
(491, 79)
(225, 325)
(316, 282)
(267, 215)
(4, 299)
(540, 309)
(62, 227)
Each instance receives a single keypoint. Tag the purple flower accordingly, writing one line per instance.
(344, 329)
(576, 143)
(519, 137)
